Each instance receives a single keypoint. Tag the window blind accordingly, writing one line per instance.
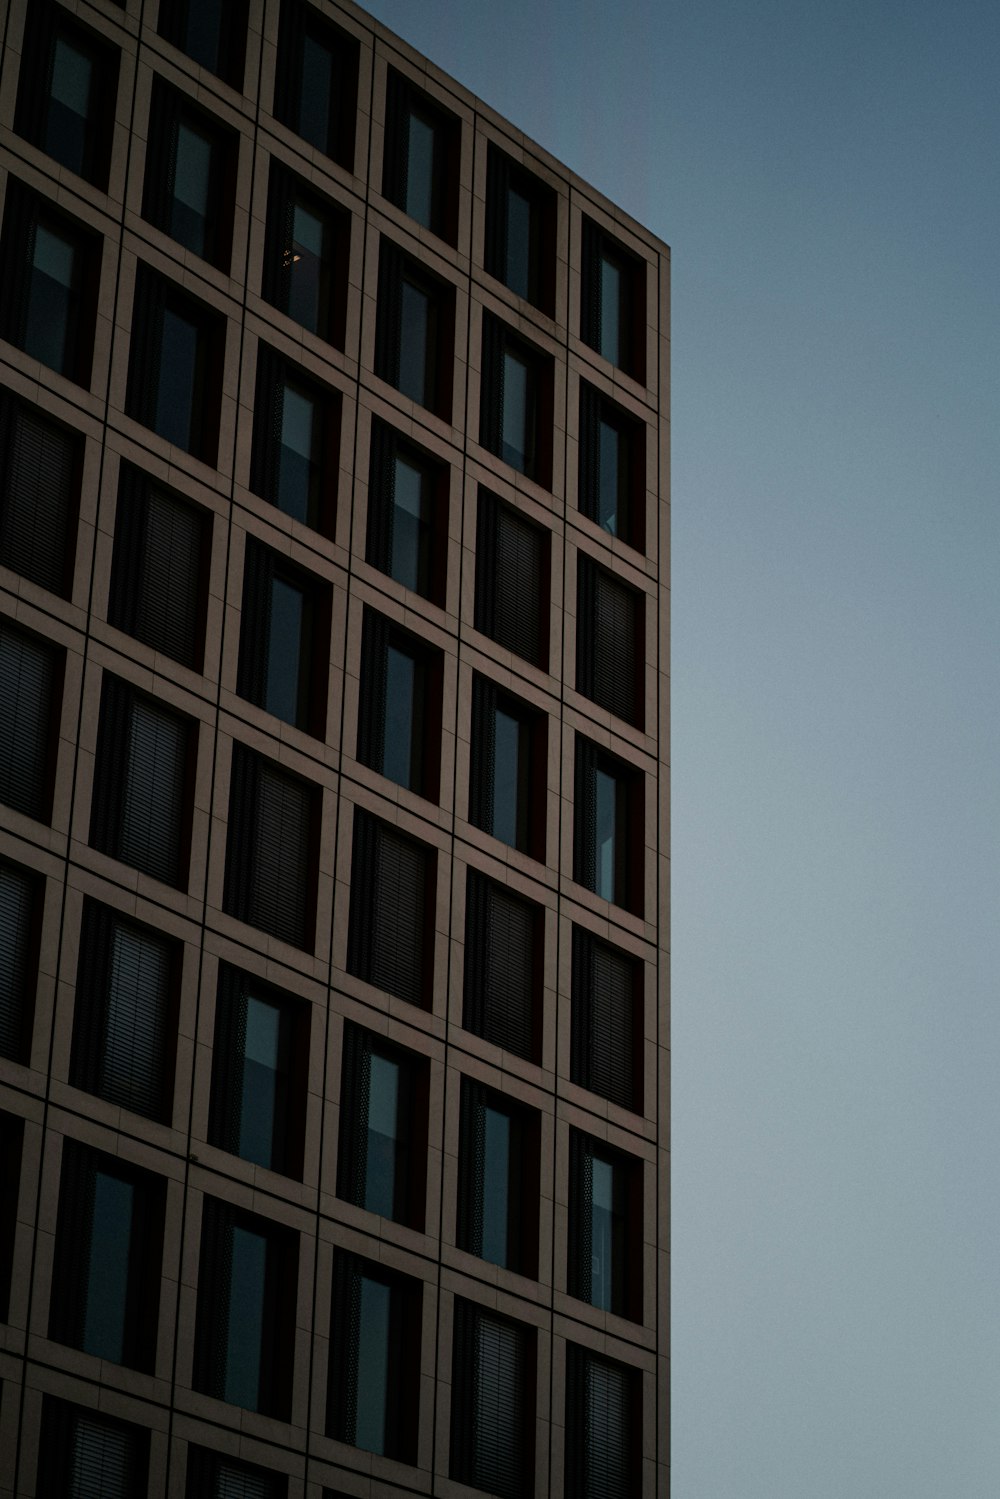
(605, 1020)
(40, 466)
(29, 689)
(83, 1455)
(270, 851)
(392, 884)
(161, 543)
(19, 896)
(500, 966)
(602, 1436)
(609, 642)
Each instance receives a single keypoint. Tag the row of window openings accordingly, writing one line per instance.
(191, 172)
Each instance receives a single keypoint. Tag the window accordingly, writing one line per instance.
(493, 1403)
(141, 808)
(503, 952)
(611, 468)
(382, 1161)
(67, 91)
(108, 1253)
(610, 645)
(40, 464)
(605, 1227)
(612, 301)
(391, 932)
(271, 850)
(292, 442)
(607, 1021)
(507, 783)
(407, 514)
(498, 1179)
(124, 1017)
(212, 1476)
(159, 580)
(259, 1065)
(515, 414)
(374, 1380)
(20, 909)
(245, 1326)
(512, 580)
(84, 1454)
(211, 32)
(190, 176)
(306, 257)
(520, 231)
(608, 819)
(420, 166)
(316, 84)
(48, 285)
(175, 366)
(399, 714)
(30, 690)
(11, 1142)
(414, 331)
(286, 619)
(603, 1427)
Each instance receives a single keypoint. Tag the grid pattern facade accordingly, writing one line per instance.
(333, 776)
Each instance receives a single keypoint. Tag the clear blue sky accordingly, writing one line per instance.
(829, 180)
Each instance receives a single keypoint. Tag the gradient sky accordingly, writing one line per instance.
(829, 181)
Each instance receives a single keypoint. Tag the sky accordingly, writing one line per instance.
(827, 178)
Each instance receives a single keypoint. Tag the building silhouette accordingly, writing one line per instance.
(333, 776)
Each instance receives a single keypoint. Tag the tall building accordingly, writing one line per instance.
(333, 776)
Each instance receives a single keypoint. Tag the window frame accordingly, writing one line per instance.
(402, 1350)
(502, 927)
(606, 1021)
(500, 342)
(38, 524)
(72, 1435)
(389, 449)
(292, 918)
(624, 1291)
(27, 778)
(610, 642)
(504, 177)
(170, 111)
(405, 102)
(596, 411)
(174, 26)
(44, 28)
(286, 193)
(597, 248)
(520, 1253)
(155, 297)
(409, 1168)
(25, 213)
(498, 1460)
(628, 871)
(20, 943)
(379, 636)
(512, 581)
(488, 702)
(275, 376)
(297, 24)
(263, 568)
(397, 272)
(389, 944)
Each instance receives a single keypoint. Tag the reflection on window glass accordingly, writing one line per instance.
(518, 268)
(284, 653)
(245, 1321)
(295, 463)
(410, 561)
(496, 1185)
(508, 782)
(70, 105)
(383, 1124)
(415, 334)
(203, 42)
(401, 689)
(131, 1071)
(373, 1364)
(609, 440)
(420, 170)
(611, 307)
(601, 1241)
(265, 1079)
(107, 1281)
(515, 411)
(606, 798)
(315, 94)
(305, 281)
(192, 189)
(50, 299)
(175, 393)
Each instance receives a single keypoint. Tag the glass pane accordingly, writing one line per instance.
(410, 561)
(263, 1062)
(610, 469)
(400, 705)
(498, 1418)
(153, 779)
(496, 1185)
(602, 1225)
(175, 390)
(107, 1280)
(131, 1049)
(373, 1365)
(383, 1123)
(414, 336)
(515, 411)
(245, 1318)
(295, 466)
(69, 105)
(608, 1438)
(420, 171)
(192, 189)
(606, 797)
(316, 93)
(518, 271)
(284, 651)
(305, 266)
(611, 304)
(111, 1473)
(50, 299)
(204, 33)
(506, 778)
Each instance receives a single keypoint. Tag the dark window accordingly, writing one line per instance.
(20, 909)
(271, 851)
(399, 715)
(382, 1160)
(515, 414)
(175, 365)
(40, 465)
(492, 1403)
(374, 1383)
(605, 1227)
(512, 580)
(108, 1252)
(613, 301)
(294, 422)
(67, 91)
(414, 331)
(11, 1142)
(141, 808)
(520, 231)
(211, 32)
(30, 691)
(611, 468)
(49, 267)
(306, 257)
(407, 514)
(419, 172)
(391, 932)
(607, 1021)
(503, 949)
(124, 1016)
(212, 1476)
(608, 821)
(245, 1331)
(285, 622)
(259, 1066)
(498, 1179)
(316, 84)
(83, 1454)
(507, 782)
(159, 581)
(610, 645)
(603, 1427)
(190, 176)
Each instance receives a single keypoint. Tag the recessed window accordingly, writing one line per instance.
(503, 952)
(603, 1427)
(20, 903)
(393, 886)
(175, 366)
(374, 1378)
(108, 1252)
(210, 1475)
(66, 93)
(612, 468)
(512, 580)
(285, 619)
(48, 288)
(515, 414)
(605, 1042)
(413, 333)
(316, 83)
(306, 256)
(498, 1179)
(40, 465)
(30, 690)
(383, 1128)
(83, 1453)
(507, 784)
(520, 230)
(605, 1233)
(492, 1403)
(271, 849)
(613, 301)
(211, 32)
(407, 513)
(159, 580)
(11, 1143)
(399, 714)
(190, 172)
(610, 645)
(124, 1014)
(608, 820)
(245, 1329)
(141, 806)
(293, 443)
(420, 158)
